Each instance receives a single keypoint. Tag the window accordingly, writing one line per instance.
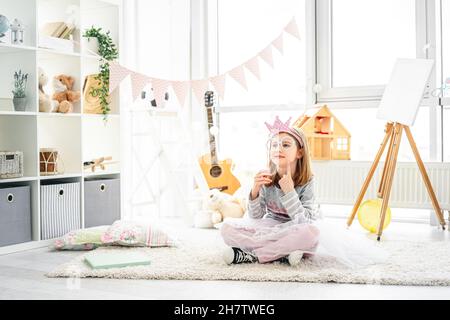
(365, 45)
(244, 29)
(446, 42)
(356, 52)
(342, 144)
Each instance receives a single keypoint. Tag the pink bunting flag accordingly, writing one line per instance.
(181, 89)
(219, 84)
(200, 87)
(267, 56)
(252, 65)
(159, 90)
(292, 29)
(239, 75)
(116, 75)
(278, 43)
(138, 82)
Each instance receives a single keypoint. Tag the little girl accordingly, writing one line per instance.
(283, 223)
(282, 194)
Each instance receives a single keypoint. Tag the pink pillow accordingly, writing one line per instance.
(137, 234)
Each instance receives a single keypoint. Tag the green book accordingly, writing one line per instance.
(109, 260)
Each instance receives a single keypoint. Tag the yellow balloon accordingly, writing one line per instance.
(369, 215)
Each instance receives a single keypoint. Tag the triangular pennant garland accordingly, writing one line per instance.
(218, 83)
(116, 75)
(252, 65)
(239, 75)
(278, 43)
(267, 56)
(138, 82)
(159, 90)
(181, 89)
(200, 87)
(292, 29)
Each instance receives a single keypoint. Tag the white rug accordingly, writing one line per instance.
(199, 258)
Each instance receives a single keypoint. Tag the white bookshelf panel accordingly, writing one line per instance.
(101, 139)
(54, 65)
(25, 11)
(62, 134)
(12, 60)
(19, 134)
(60, 11)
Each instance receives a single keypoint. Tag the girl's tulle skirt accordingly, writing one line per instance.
(335, 240)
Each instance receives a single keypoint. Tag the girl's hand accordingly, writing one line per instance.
(286, 183)
(261, 178)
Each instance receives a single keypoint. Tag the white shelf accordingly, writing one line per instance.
(56, 114)
(8, 48)
(100, 174)
(76, 136)
(21, 179)
(100, 116)
(17, 113)
(61, 176)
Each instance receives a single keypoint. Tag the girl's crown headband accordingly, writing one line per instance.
(278, 126)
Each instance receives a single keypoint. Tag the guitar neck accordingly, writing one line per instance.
(212, 139)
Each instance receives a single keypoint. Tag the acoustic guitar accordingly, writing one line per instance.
(217, 173)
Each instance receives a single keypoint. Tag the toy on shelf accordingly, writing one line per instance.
(100, 162)
(48, 162)
(327, 137)
(45, 103)
(63, 93)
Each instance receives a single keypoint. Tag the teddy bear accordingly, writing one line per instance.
(63, 93)
(45, 103)
(217, 207)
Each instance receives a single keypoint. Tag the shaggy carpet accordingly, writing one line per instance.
(198, 257)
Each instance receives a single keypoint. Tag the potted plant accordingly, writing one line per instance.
(20, 86)
(108, 51)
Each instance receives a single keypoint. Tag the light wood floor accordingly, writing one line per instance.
(22, 277)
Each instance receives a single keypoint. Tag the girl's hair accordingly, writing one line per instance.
(303, 169)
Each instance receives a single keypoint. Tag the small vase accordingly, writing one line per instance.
(20, 104)
(90, 45)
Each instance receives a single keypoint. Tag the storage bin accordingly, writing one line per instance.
(11, 164)
(15, 215)
(101, 202)
(60, 209)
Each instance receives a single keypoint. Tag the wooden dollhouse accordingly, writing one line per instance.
(327, 137)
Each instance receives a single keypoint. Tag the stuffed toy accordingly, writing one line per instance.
(217, 207)
(64, 94)
(45, 103)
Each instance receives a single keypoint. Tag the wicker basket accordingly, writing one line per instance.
(11, 164)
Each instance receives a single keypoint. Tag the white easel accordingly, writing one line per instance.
(399, 106)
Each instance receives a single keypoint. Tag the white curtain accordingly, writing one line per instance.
(157, 42)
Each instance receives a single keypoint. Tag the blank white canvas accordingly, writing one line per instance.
(404, 93)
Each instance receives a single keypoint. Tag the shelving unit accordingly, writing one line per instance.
(78, 137)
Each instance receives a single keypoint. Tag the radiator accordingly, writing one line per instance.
(339, 182)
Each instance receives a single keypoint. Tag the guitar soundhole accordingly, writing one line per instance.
(215, 171)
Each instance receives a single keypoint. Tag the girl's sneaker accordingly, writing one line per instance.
(232, 255)
(295, 258)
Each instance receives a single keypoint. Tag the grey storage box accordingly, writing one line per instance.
(60, 209)
(101, 202)
(15, 215)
